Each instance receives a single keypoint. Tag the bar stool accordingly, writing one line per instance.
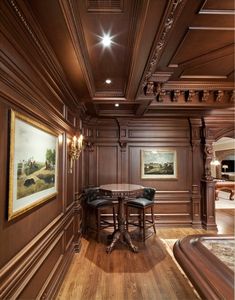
(97, 204)
(142, 204)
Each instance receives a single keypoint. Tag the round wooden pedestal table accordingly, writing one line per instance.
(121, 191)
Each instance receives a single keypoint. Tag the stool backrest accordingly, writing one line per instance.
(91, 194)
(149, 193)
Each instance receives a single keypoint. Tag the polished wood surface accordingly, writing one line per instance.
(122, 191)
(212, 278)
(36, 247)
(124, 275)
(122, 188)
(183, 50)
(45, 75)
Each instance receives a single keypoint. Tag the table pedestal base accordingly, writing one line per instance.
(123, 237)
(121, 234)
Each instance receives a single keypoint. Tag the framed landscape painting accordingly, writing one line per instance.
(33, 164)
(158, 164)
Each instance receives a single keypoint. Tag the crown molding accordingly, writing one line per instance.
(53, 72)
(72, 17)
(173, 11)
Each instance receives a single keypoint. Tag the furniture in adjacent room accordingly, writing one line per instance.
(143, 204)
(208, 261)
(225, 186)
(122, 192)
(95, 205)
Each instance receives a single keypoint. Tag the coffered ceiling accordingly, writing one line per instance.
(164, 55)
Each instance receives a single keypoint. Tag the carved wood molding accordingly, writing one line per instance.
(89, 146)
(73, 21)
(18, 272)
(173, 10)
(51, 67)
(189, 96)
(18, 96)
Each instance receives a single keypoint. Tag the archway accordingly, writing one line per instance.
(223, 172)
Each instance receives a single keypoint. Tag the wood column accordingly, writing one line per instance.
(196, 125)
(208, 185)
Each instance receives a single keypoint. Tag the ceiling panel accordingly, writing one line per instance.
(201, 41)
(219, 67)
(166, 48)
(219, 4)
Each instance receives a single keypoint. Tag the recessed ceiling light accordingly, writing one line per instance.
(116, 104)
(106, 40)
(108, 81)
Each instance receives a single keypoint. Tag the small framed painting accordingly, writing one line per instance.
(158, 164)
(33, 164)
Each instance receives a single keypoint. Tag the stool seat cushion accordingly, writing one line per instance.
(99, 202)
(140, 202)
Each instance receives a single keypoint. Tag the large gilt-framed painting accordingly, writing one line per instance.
(158, 164)
(33, 164)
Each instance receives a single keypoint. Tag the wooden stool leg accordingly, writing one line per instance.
(127, 217)
(98, 225)
(143, 224)
(154, 228)
(114, 218)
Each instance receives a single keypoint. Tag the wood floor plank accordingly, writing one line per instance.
(124, 275)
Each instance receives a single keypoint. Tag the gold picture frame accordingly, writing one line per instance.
(33, 164)
(158, 164)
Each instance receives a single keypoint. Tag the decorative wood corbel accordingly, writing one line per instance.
(89, 146)
(175, 95)
(204, 95)
(219, 95)
(189, 95)
(160, 96)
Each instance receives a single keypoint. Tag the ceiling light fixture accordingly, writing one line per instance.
(106, 40)
(116, 104)
(108, 81)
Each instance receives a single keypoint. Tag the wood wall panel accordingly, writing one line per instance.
(35, 247)
(107, 164)
(51, 258)
(155, 133)
(119, 161)
(106, 133)
(69, 233)
(183, 175)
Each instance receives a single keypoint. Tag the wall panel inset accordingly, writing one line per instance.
(107, 164)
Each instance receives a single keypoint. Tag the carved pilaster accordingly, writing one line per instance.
(207, 183)
(195, 125)
(208, 205)
(208, 156)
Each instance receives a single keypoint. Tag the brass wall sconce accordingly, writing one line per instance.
(75, 149)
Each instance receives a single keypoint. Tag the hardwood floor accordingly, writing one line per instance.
(122, 275)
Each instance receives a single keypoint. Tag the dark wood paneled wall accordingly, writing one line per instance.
(113, 155)
(37, 246)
